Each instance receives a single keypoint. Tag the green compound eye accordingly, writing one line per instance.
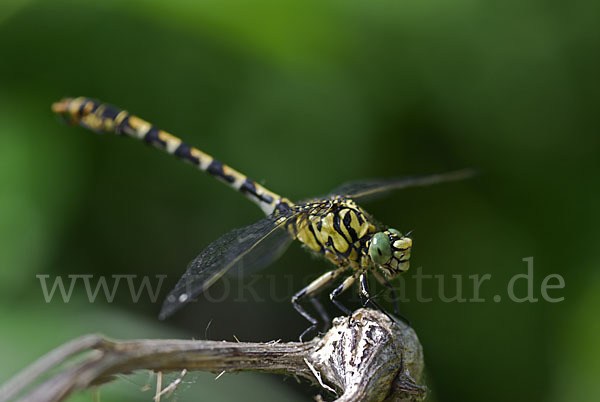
(379, 249)
(396, 232)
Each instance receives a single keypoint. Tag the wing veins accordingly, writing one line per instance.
(214, 268)
(359, 189)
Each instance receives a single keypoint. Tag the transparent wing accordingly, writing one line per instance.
(245, 248)
(370, 189)
(263, 254)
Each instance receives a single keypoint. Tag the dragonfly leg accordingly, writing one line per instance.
(340, 289)
(388, 285)
(313, 321)
(313, 288)
(364, 291)
(321, 310)
(366, 294)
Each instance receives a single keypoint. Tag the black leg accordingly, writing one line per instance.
(303, 313)
(366, 294)
(337, 291)
(314, 287)
(388, 285)
(321, 310)
(381, 279)
(364, 290)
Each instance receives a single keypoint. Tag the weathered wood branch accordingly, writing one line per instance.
(365, 357)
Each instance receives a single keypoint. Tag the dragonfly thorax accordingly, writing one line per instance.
(344, 233)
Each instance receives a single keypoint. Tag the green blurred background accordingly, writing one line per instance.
(303, 96)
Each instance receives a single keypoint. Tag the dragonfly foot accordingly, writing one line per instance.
(306, 331)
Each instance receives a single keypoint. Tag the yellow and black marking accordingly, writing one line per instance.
(337, 228)
(342, 231)
(334, 226)
(105, 118)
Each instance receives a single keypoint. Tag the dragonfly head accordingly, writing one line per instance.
(390, 251)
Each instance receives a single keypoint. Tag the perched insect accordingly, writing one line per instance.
(333, 226)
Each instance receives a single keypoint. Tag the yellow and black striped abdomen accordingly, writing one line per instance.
(340, 232)
(102, 117)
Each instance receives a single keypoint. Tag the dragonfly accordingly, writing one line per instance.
(333, 226)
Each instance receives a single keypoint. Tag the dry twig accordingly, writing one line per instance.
(365, 357)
